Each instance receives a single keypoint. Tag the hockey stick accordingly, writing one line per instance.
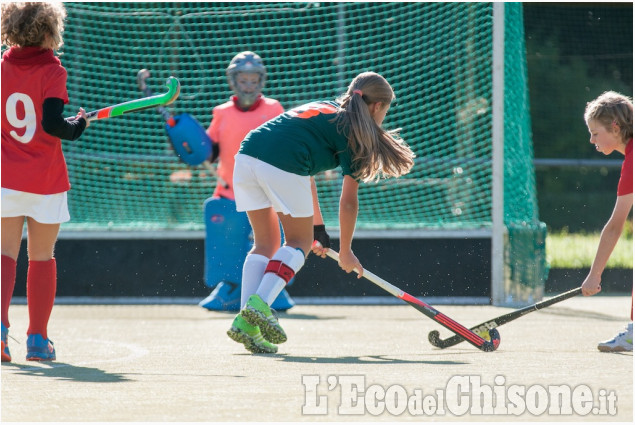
(434, 339)
(142, 76)
(174, 88)
(461, 331)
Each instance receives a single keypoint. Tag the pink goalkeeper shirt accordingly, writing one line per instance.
(229, 127)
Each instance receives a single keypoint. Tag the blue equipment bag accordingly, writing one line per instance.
(189, 140)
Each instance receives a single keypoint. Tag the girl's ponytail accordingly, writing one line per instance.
(376, 152)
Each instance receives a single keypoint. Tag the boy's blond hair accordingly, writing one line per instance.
(609, 109)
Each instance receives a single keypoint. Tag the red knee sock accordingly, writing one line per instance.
(8, 283)
(41, 283)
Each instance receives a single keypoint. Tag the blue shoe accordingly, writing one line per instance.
(6, 355)
(225, 297)
(283, 301)
(39, 349)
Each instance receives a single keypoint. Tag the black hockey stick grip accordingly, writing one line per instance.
(435, 340)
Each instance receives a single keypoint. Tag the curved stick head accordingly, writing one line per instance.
(494, 341)
(142, 76)
(174, 89)
(433, 338)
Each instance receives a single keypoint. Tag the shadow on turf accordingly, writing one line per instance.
(376, 359)
(229, 315)
(66, 372)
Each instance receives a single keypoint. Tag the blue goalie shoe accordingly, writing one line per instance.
(226, 297)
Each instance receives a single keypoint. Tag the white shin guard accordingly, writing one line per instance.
(289, 261)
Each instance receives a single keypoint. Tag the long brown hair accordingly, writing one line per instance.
(377, 152)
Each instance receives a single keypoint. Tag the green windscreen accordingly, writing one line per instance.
(437, 57)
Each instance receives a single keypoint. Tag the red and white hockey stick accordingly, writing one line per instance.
(461, 331)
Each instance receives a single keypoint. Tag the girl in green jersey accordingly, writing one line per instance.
(273, 179)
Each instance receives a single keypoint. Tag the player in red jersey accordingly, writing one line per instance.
(610, 122)
(34, 175)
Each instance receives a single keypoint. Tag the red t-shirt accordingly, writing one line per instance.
(625, 186)
(32, 160)
(229, 127)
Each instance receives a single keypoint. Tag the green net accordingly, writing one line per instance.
(526, 266)
(437, 56)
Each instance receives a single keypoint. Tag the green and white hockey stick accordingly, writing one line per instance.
(174, 88)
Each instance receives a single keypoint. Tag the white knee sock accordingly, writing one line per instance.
(253, 270)
(283, 266)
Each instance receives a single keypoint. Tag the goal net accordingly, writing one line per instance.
(437, 57)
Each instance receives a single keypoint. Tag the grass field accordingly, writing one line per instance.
(577, 250)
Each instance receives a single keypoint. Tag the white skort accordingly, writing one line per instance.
(47, 209)
(259, 185)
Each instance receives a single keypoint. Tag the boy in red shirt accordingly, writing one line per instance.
(610, 122)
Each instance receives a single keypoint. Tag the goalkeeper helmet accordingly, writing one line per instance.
(246, 62)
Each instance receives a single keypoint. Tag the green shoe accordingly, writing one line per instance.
(250, 336)
(258, 313)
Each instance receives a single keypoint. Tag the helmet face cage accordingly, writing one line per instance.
(247, 62)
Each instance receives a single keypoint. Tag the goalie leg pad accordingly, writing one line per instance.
(227, 241)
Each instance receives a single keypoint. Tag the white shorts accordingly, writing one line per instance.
(47, 209)
(259, 185)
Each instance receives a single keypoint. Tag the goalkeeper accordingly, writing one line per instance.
(247, 109)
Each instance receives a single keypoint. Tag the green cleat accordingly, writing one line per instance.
(258, 313)
(250, 336)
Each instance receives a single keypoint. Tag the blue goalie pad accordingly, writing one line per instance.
(227, 241)
(189, 140)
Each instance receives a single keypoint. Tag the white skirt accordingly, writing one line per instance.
(259, 185)
(47, 209)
